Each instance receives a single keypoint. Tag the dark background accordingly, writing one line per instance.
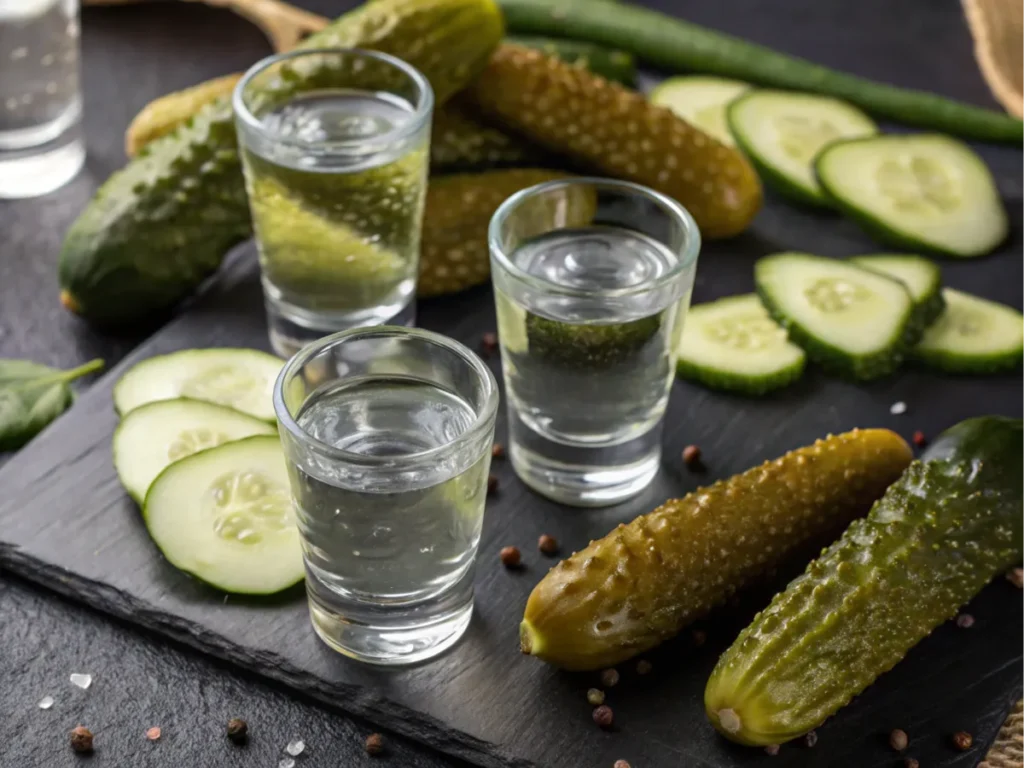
(135, 53)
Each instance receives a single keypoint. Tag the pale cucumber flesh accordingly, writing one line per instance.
(733, 344)
(849, 319)
(242, 379)
(973, 335)
(782, 133)
(225, 516)
(155, 435)
(923, 191)
(701, 101)
(922, 277)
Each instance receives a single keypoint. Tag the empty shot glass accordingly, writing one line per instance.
(592, 279)
(387, 434)
(41, 145)
(335, 149)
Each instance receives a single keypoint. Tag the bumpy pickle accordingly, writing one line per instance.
(643, 582)
(940, 533)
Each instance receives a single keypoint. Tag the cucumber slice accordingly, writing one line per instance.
(973, 335)
(850, 320)
(921, 277)
(225, 516)
(242, 379)
(921, 192)
(733, 344)
(157, 434)
(701, 101)
(782, 132)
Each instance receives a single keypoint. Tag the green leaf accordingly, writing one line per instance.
(33, 395)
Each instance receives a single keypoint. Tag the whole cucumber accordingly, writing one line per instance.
(156, 228)
(680, 46)
(940, 533)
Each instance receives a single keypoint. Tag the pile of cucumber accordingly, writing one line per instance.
(858, 318)
(925, 192)
(198, 449)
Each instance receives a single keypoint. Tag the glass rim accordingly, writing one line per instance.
(688, 257)
(482, 421)
(419, 80)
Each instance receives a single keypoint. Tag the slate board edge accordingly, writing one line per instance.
(347, 699)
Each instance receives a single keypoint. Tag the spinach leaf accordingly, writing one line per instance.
(33, 395)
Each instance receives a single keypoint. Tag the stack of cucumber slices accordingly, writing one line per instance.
(858, 318)
(923, 192)
(197, 448)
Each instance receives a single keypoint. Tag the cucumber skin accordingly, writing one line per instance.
(832, 359)
(879, 229)
(646, 580)
(940, 533)
(161, 225)
(955, 363)
(727, 381)
(611, 64)
(680, 46)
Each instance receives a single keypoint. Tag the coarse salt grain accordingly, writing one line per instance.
(897, 408)
(82, 681)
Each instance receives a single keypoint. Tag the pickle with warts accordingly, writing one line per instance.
(643, 582)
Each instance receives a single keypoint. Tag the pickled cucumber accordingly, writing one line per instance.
(940, 533)
(601, 124)
(644, 581)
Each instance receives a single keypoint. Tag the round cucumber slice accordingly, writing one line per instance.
(920, 276)
(782, 132)
(157, 434)
(923, 192)
(733, 344)
(973, 335)
(225, 516)
(850, 320)
(701, 101)
(242, 379)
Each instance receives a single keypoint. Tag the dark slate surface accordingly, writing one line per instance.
(954, 680)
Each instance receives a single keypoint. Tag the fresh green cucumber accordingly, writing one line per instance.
(679, 46)
(156, 435)
(733, 344)
(922, 279)
(701, 101)
(782, 132)
(242, 379)
(918, 191)
(225, 516)
(609, 63)
(973, 335)
(158, 227)
(940, 533)
(849, 320)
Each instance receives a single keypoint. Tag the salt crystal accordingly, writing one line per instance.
(82, 681)
(295, 747)
(46, 702)
(897, 408)
(286, 762)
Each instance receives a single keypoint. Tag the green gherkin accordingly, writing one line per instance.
(645, 581)
(940, 533)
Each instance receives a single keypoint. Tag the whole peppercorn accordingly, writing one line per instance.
(811, 738)
(691, 456)
(489, 342)
(497, 451)
(643, 667)
(548, 545)
(604, 716)
(910, 762)
(609, 678)
(898, 740)
(81, 739)
(238, 731)
(621, 764)
(595, 697)
(374, 744)
(492, 485)
(965, 621)
(510, 557)
(772, 749)
(962, 740)
(919, 439)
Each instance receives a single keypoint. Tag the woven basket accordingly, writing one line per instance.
(1008, 749)
(997, 27)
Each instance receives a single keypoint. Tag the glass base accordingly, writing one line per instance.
(26, 173)
(388, 642)
(292, 327)
(584, 476)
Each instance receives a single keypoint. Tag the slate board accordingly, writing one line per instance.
(65, 522)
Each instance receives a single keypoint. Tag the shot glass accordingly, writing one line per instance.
(592, 280)
(41, 145)
(387, 433)
(335, 149)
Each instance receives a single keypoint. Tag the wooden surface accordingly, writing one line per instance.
(65, 523)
